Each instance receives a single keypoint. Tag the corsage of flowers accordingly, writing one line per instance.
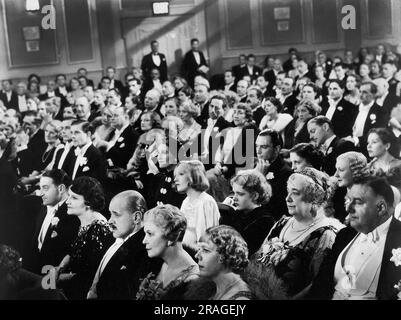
(149, 288)
(396, 258)
(274, 251)
(55, 222)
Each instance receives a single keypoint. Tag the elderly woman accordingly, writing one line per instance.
(249, 216)
(297, 130)
(384, 148)
(164, 228)
(222, 256)
(289, 259)
(304, 155)
(77, 270)
(188, 112)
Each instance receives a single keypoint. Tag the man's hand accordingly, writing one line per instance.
(263, 166)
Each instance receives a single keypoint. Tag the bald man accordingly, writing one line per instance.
(126, 261)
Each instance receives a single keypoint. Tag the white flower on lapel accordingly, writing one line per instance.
(270, 176)
(396, 258)
(86, 168)
(215, 129)
(340, 108)
(122, 145)
(372, 117)
(330, 150)
(123, 268)
(54, 234)
(54, 222)
(83, 161)
(120, 139)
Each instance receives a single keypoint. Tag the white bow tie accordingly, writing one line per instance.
(370, 237)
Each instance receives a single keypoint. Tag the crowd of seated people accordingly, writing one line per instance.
(280, 182)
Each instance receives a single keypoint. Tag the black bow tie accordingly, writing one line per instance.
(155, 54)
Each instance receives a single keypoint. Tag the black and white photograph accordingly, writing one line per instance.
(200, 154)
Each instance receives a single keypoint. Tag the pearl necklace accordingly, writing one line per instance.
(301, 232)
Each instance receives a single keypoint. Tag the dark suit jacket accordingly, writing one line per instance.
(189, 68)
(281, 172)
(253, 226)
(376, 119)
(13, 103)
(337, 146)
(45, 96)
(122, 275)
(124, 148)
(270, 77)
(95, 166)
(233, 87)
(245, 72)
(237, 72)
(343, 118)
(291, 139)
(258, 114)
(147, 65)
(393, 83)
(389, 103)
(119, 85)
(215, 140)
(36, 147)
(290, 103)
(202, 119)
(323, 285)
(57, 241)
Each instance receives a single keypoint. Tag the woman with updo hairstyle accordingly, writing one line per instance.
(199, 208)
(222, 257)
(188, 112)
(297, 130)
(304, 155)
(246, 210)
(384, 148)
(77, 270)
(164, 228)
(289, 259)
(274, 118)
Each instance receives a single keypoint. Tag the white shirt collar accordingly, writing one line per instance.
(379, 233)
(365, 107)
(328, 141)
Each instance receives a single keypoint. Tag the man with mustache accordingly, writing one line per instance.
(126, 261)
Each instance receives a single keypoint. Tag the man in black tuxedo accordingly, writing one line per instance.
(237, 68)
(370, 116)
(194, 63)
(254, 100)
(154, 60)
(274, 168)
(389, 69)
(267, 90)
(383, 97)
(303, 70)
(36, 145)
(287, 96)
(322, 135)
(122, 146)
(242, 87)
(62, 88)
(55, 230)
(88, 160)
(271, 75)
(229, 81)
(152, 101)
(211, 138)
(201, 98)
(8, 96)
(341, 112)
(126, 262)
(114, 83)
(363, 265)
(250, 69)
(65, 158)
